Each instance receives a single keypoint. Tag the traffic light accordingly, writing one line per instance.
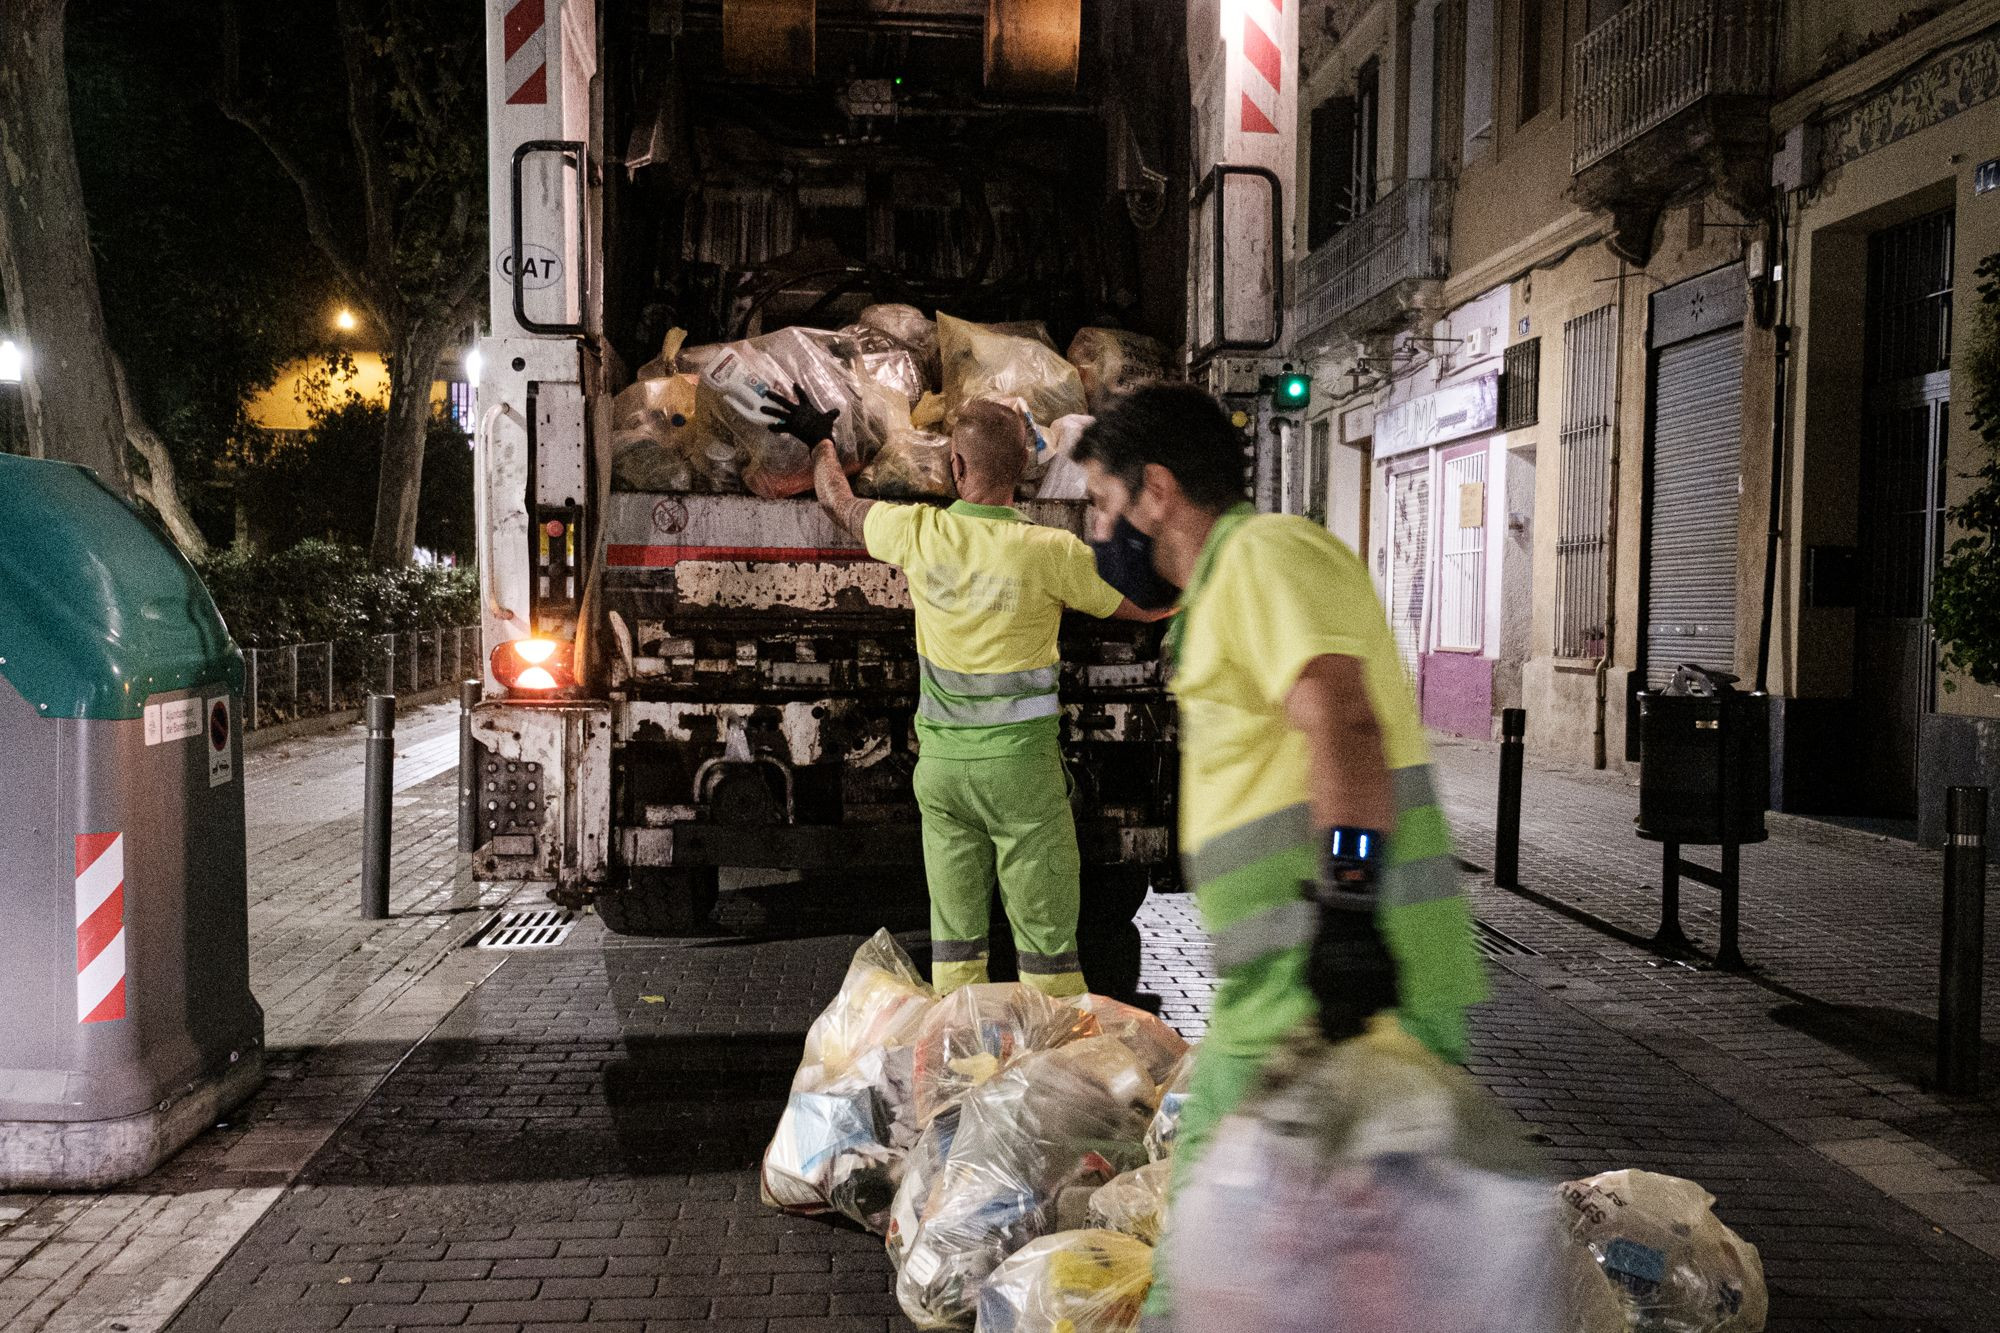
(1290, 392)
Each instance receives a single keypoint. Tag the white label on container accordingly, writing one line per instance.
(174, 720)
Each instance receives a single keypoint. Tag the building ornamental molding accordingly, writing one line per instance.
(1954, 82)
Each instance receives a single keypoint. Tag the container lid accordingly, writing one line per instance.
(98, 609)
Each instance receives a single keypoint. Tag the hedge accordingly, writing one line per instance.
(320, 591)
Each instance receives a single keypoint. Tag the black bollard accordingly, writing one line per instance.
(1507, 825)
(1962, 959)
(378, 783)
(468, 768)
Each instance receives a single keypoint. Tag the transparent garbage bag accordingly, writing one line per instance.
(649, 457)
(1063, 478)
(1594, 1302)
(1166, 1124)
(1674, 1264)
(889, 362)
(1366, 1188)
(1135, 1203)
(668, 361)
(976, 1031)
(921, 1169)
(992, 361)
(851, 1116)
(910, 327)
(1090, 1281)
(1110, 361)
(1158, 1046)
(1051, 1120)
(913, 465)
(731, 393)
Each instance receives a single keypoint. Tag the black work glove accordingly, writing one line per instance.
(1349, 968)
(799, 416)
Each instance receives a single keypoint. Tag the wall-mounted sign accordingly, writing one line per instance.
(1986, 176)
(1448, 414)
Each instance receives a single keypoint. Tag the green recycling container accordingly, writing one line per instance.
(124, 936)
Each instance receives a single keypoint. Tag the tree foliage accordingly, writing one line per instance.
(389, 164)
(1965, 602)
(326, 592)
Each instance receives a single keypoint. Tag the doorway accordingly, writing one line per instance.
(1906, 400)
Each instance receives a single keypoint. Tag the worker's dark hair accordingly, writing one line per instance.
(994, 439)
(1179, 427)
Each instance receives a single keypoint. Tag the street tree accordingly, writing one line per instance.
(71, 381)
(1965, 600)
(393, 195)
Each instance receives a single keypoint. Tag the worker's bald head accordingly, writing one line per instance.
(991, 440)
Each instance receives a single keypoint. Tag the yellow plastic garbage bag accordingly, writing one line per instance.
(1158, 1046)
(1676, 1267)
(1072, 1282)
(981, 361)
(913, 465)
(672, 396)
(652, 453)
(1365, 1188)
(1110, 361)
(1166, 1124)
(1052, 1120)
(851, 1115)
(1135, 1203)
(976, 1031)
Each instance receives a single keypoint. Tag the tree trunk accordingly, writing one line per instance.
(411, 373)
(161, 486)
(70, 391)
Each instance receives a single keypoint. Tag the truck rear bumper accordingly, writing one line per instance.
(829, 846)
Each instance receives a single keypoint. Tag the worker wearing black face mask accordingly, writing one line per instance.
(1125, 561)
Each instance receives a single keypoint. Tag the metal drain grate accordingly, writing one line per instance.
(538, 929)
(1495, 943)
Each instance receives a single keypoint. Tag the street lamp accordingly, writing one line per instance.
(13, 429)
(345, 321)
(474, 363)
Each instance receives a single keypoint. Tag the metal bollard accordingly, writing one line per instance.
(1507, 825)
(468, 768)
(378, 783)
(1962, 960)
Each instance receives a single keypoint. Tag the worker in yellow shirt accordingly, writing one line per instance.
(1310, 827)
(989, 589)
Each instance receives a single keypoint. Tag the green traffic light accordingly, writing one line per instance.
(1292, 391)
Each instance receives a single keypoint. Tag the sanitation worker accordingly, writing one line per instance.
(1310, 828)
(989, 589)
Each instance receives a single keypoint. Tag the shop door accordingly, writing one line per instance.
(1409, 533)
(1907, 401)
(1691, 535)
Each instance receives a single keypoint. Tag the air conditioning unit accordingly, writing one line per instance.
(1475, 342)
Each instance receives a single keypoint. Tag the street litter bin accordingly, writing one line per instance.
(124, 939)
(1705, 755)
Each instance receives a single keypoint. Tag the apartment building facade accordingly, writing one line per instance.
(1577, 280)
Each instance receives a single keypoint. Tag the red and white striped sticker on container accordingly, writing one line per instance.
(100, 927)
(525, 32)
(1264, 64)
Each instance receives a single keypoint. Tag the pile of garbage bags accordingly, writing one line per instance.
(994, 1128)
(1015, 1151)
(693, 420)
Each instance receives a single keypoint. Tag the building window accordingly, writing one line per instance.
(1330, 180)
(1589, 398)
(1521, 385)
(1534, 59)
(1447, 87)
(1461, 605)
(461, 405)
(1319, 464)
(1367, 132)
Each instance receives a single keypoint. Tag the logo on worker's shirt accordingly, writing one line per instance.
(950, 588)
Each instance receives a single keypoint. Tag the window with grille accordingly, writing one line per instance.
(1330, 172)
(1319, 461)
(1583, 521)
(1521, 385)
(1461, 592)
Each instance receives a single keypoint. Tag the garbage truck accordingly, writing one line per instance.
(682, 680)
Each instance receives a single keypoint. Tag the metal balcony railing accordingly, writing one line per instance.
(1405, 237)
(1656, 58)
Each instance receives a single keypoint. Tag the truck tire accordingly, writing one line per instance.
(656, 901)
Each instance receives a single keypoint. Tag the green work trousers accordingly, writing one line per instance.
(1003, 819)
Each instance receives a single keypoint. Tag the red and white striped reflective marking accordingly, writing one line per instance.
(1263, 64)
(527, 48)
(100, 927)
(665, 557)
